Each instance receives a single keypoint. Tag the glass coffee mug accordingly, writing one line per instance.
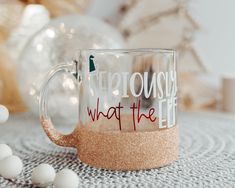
(127, 108)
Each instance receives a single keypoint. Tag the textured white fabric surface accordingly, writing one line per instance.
(207, 155)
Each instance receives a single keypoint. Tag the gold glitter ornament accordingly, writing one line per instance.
(10, 14)
(9, 94)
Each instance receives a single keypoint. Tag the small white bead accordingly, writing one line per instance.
(43, 175)
(66, 179)
(5, 151)
(11, 167)
(4, 114)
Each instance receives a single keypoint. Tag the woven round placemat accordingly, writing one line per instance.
(207, 155)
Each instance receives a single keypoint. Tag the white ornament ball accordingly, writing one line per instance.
(59, 42)
(66, 179)
(43, 175)
(11, 167)
(4, 114)
(5, 151)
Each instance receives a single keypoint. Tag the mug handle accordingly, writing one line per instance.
(54, 135)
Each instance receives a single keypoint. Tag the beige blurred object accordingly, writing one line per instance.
(228, 93)
(162, 24)
(169, 24)
(9, 94)
(196, 94)
(61, 7)
(10, 14)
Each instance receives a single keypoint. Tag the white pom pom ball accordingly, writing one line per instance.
(11, 167)
(43, 175)
(5, 151)
(66, 178)
(4, 114)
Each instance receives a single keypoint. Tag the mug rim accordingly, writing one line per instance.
(128, 50)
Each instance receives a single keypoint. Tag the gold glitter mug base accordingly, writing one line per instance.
(117, 150)
(128, 150)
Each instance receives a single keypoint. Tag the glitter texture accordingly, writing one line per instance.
(120, 150)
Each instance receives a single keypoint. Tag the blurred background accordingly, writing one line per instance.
(37, 34)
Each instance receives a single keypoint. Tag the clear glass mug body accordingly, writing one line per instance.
(127, 103)
(131, 90)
